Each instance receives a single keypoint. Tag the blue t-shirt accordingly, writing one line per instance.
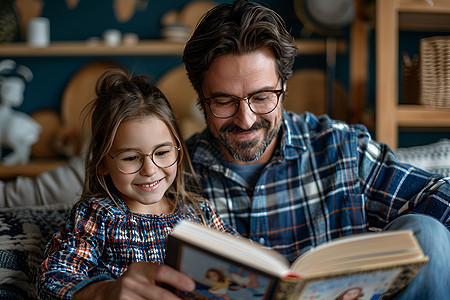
(250, 173)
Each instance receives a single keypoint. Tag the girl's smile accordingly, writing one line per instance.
(147, 187)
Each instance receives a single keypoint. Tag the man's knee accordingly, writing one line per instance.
(434, 238)
(417, 223)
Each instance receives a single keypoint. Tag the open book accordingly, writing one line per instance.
(374, 265)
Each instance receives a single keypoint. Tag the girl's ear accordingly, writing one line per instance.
(104, 168)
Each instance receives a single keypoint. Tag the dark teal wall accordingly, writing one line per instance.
(91, 18)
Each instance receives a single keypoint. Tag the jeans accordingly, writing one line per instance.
(433, 280)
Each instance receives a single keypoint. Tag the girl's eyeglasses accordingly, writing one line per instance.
(132, 161)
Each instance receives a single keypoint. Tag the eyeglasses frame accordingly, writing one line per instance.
(247, 99)
(143, 160)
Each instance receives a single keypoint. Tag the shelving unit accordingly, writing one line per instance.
(391, 16)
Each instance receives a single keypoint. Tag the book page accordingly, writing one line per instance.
(359, 251)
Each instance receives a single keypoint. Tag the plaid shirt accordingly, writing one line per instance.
(100, 240)
(326, 179)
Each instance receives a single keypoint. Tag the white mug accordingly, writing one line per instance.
(112, 37)
(39, 32)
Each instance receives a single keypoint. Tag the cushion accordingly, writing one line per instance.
(24, 233)
(434, 158)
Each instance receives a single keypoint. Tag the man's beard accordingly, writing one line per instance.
(249, 150)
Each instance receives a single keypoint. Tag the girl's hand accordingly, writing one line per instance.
(142, 280)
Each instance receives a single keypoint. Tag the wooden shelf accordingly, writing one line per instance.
(144, 48)
(308, 46)
(391, 16)
(422, 116)
(76, 48)
(422, 7)
(420, 16)
(33, 168)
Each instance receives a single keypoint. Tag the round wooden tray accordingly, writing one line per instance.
(182, 96)
(78, 93)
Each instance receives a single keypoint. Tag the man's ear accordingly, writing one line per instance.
(285, 89)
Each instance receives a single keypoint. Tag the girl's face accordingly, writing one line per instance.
(352, 294)
(143, 192)
(212, 275)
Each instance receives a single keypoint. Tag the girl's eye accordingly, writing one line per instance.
(130, 158)
(161, 153)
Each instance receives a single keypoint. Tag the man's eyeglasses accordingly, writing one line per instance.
(130, 162)
(260, 103)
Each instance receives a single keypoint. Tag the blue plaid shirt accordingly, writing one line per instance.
(326, 179)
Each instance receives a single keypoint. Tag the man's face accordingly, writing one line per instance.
(245, 136)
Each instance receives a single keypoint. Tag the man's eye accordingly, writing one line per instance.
(260, 96)
(224, 101)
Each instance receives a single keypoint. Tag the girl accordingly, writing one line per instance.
(133, 195)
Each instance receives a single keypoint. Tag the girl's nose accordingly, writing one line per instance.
(149, 168)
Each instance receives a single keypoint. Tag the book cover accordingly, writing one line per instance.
(226, 267)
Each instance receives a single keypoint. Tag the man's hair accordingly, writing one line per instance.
(239, 28)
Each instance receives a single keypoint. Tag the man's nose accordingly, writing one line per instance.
(245, 117)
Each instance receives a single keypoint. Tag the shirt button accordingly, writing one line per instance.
(262, 241)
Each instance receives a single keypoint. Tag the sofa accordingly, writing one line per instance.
(25, 231)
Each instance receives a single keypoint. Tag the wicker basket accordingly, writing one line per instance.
(435, 71)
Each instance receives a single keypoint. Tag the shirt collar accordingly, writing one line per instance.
(293, 142)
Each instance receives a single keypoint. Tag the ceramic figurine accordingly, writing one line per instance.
(18, 131)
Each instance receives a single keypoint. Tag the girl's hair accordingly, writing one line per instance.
(122, 97)
(360, 294)
(239, 28)
(218, 273)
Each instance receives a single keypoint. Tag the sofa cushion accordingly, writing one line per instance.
(434, 158)
(24, 233)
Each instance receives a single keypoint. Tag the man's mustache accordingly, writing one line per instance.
(233, 128)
